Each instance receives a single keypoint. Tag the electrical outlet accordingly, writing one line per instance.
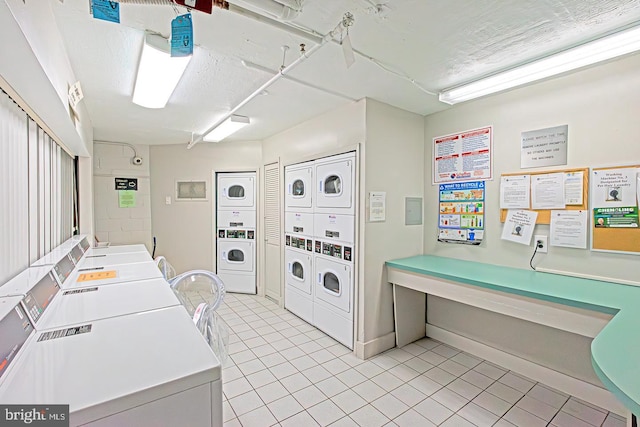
(541, 241)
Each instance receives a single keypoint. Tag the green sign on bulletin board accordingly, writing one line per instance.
(127, 198)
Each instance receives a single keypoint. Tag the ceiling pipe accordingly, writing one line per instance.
(316, 39)
(303, 57)
(275, 8)
(254, 66)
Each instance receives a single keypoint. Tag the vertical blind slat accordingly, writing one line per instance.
(37, 190)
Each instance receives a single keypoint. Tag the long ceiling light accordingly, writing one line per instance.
(158, 73)
(608, 47)
(229, 126)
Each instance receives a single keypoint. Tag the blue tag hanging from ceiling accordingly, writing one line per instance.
(182, 36)
(106, 10)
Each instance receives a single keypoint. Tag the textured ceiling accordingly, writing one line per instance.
(435, 43)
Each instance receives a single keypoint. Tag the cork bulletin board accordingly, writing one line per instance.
(544, 215)
(616, 238)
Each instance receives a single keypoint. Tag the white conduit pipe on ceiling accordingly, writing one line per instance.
(276, 8)
(271, 81)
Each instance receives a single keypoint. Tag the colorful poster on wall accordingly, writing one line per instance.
(461, 212)
(464, 156)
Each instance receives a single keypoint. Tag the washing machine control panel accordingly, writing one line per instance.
(334, 250)
(299, 242)
(236, 234)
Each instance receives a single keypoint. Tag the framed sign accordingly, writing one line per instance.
(191, 190)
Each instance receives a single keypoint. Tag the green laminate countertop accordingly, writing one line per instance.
(615, 352)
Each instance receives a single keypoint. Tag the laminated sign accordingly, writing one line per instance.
(106, 10)
(182, 36)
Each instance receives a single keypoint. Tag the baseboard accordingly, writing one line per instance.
(365, 350)
(583, 390)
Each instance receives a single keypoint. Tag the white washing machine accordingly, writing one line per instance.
(71, 307)
(23, 282)
(111, 275)
(94, 261)
(299, 185)
(236, 190)
(298, 289)
(120, 249)
(334, 291)
(335, 178)
(15, 330)
(237, 260)
(146, 369)
(75, 245)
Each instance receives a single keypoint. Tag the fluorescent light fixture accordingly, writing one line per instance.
(229, 126)
(158, 73)
(608, 47)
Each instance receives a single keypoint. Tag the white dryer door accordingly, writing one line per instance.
(236, 190)
(298, 270)
(334, 183)
(299, 186)
(236, 255)
(333, 283)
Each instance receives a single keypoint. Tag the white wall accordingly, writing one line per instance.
(37, 67)
(393, 163)
(121, 226)
(185, 229)
(600, 106)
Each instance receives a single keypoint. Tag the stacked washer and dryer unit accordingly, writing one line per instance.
(320, 198)
(236, 231)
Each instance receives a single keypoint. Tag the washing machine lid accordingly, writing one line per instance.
(111, 365)
(103, 260)
(23, 282)
(111, 250)
(89, 304)
(111, 275)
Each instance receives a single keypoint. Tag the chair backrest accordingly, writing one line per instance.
(197, 286)
(167, 269)
(213, 329)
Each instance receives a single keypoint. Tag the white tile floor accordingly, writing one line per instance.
(283, 371)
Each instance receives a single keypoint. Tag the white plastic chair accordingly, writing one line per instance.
(167, 269)
(201, 292)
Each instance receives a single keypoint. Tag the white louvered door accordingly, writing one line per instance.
(272, 231)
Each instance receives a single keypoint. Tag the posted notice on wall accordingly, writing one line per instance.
(461, 212)
(464, 156)
(127, 199)
(614, 188)
(569, 228)
(544, 147)
(573, 188)
(547, 191)
(519, 225)
(377, 206)
(615, 198)
(515, 192)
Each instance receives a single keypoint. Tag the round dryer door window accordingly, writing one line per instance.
(236, 192)
(331, 283)
(235, 255)
(297, 270)
(333, 185)
(297, 188)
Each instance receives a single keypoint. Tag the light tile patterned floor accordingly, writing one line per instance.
(283, 371)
